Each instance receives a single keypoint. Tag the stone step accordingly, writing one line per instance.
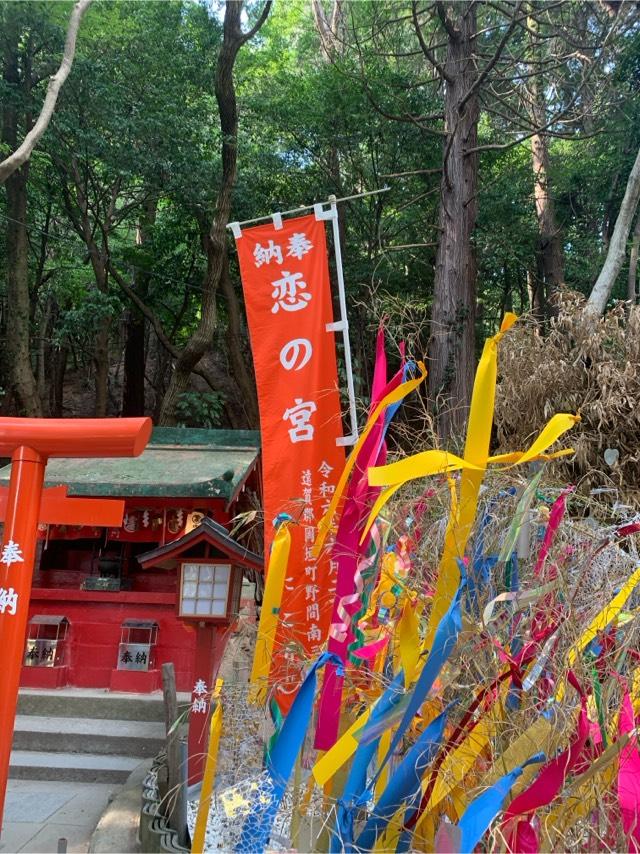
(93, 703)
(88, 735)
(67, 767)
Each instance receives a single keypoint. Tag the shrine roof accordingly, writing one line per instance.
(207, 531)
(177, 463)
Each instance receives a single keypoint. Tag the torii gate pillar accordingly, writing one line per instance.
(30, 442)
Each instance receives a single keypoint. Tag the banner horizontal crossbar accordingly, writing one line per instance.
(330, 200)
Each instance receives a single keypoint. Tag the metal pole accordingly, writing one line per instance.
(235, 226)
(343, 326)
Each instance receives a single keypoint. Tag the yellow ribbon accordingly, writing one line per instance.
(197, 846)
(383, 748)
(459, 762)
(395, 475)
(409, 641)
(476, 453)
(537, 737)
(342, 750)
(324, 525)
(599, 622)
(269, 616)
(461, 518)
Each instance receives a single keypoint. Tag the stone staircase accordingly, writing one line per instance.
(84, 735)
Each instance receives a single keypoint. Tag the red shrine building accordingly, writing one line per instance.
(110, 605)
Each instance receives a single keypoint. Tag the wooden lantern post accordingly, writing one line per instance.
(30, 442)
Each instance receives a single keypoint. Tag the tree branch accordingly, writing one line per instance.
(492, 62)
(20, 156)
(446, 22)
(425, 48)
(154, 320)
(616, 254)
(264, 14)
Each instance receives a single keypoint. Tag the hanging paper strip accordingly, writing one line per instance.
(343, 749)
(599, 622)
(427, 463)
(482, 811)
(476, 452)
(629, 776)
(348, 549)
(285, 277)
(199, 834)
(586, 790)
(519, 831)
(556, 516)
(389, 399)
(354, 793)
(443, 645)
(404, 786)
(271, 602)
(258, 824)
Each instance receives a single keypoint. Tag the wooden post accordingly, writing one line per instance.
(176, 793)
(31, 442)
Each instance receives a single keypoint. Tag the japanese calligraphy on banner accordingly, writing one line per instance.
(285, 277)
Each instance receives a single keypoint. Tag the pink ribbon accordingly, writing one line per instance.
(347, 551)
(629, 777)
(518, 829)
(556, 515)
(371, 649)
(338, 631)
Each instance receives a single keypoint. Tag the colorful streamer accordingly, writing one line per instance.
(270, 613)
(404, 786)
(258, 824)
(482, 811)
(215, 731)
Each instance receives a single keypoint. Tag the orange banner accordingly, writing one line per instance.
(285, 277)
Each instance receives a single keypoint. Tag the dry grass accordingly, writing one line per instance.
(595, 372)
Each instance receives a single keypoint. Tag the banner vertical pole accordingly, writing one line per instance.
(341, 325)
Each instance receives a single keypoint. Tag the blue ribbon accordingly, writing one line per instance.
(354, 794)
(478, 580)
(404, 785)
(259, 823)
(444, 641)
(481, 812)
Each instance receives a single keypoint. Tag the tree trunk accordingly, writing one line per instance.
(133, 400)
(44, 350)
(18, 330)
(535, 290)
(101, 367)
(56, 392)
(617, 251)
(23, 153)
(78, 209)
(549, 243)
(216, 241)
(20, 371)
(452, 350)
(632, 280)
(235, 338)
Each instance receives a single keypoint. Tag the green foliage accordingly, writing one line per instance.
(200, 409)
(138, 119)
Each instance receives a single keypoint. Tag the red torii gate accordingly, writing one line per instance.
(30, 442)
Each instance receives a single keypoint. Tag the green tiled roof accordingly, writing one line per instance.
(177, 463)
